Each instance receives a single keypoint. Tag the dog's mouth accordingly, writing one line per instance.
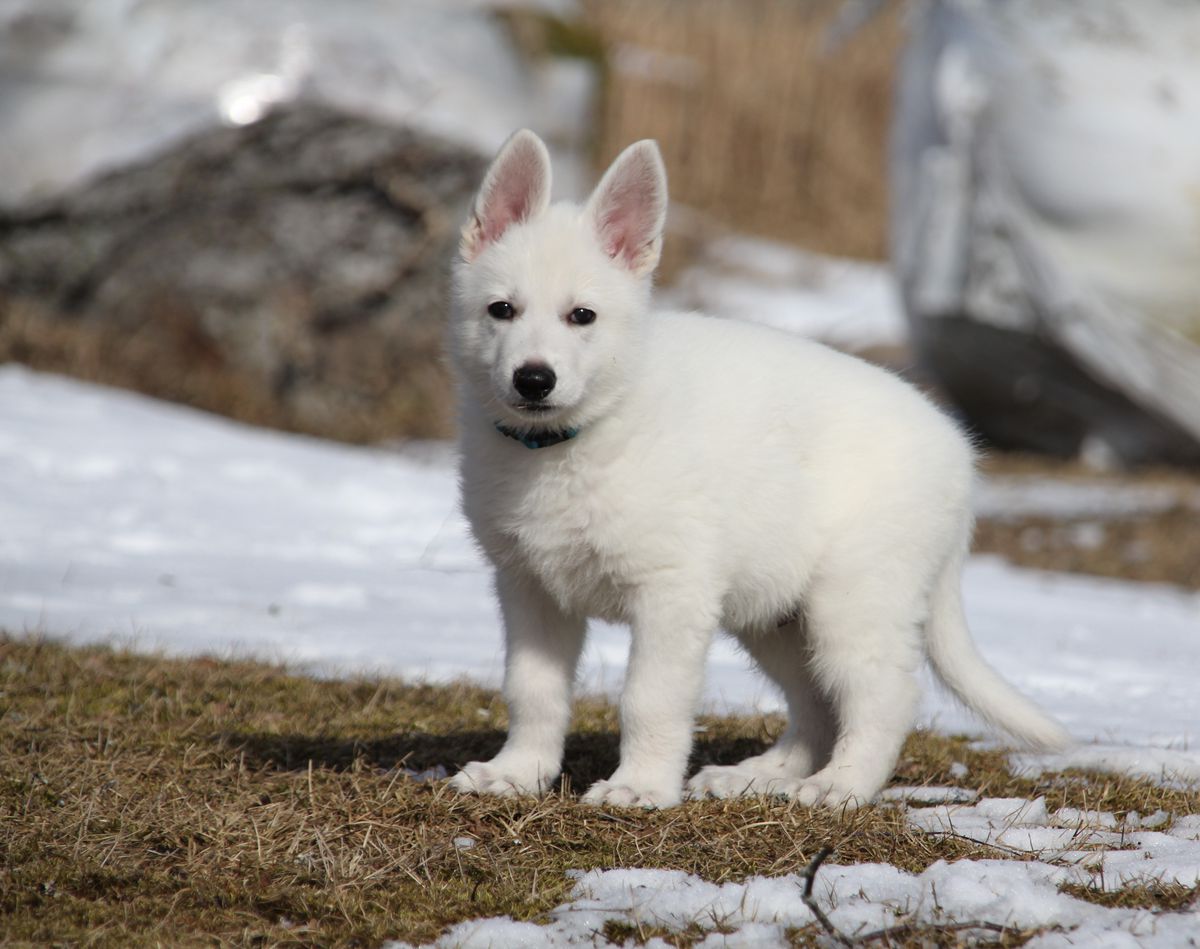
(535, 408)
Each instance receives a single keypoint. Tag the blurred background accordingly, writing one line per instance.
(250, 208)
(247, 210)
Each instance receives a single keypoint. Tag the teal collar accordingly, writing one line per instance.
(539, 439)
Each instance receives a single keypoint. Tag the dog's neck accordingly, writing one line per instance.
(538, 439)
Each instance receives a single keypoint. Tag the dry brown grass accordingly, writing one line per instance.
(1161, 547)
(174, 362)
(762, 127)
(1155, 546)
(1171, 897)
(151, 801)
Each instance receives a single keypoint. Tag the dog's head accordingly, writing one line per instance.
(551, 300)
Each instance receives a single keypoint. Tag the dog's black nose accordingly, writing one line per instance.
(534, 382)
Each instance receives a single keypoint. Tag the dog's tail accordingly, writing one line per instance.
(971, 679)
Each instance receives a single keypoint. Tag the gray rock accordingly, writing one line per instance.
(305, 256)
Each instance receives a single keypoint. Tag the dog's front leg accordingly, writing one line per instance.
(671, 635)
(542, 649)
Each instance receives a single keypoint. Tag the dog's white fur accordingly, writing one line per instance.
(725, 475)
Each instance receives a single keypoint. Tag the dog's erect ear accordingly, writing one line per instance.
(629, 207)
(516, 187)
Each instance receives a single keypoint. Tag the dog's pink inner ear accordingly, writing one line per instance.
(624, 222)
(517, 186)
(630, 207)
(512, 199)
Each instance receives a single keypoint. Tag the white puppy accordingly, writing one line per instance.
(681, 474)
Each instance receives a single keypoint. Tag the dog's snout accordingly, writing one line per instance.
(534, 381)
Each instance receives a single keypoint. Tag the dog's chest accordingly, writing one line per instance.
(570, 531)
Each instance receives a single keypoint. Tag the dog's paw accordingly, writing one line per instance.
(501, 779)
(620, 794)
(820, 790)
(732, 781)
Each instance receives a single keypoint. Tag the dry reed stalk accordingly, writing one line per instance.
(762, 126)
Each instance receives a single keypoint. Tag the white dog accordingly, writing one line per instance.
(681, 473)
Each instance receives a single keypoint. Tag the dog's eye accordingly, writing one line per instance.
(581, 316)
(501, 310)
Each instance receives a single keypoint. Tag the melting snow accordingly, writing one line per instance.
(865, 898)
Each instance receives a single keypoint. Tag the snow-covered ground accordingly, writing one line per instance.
(174, 529)
(168, 528)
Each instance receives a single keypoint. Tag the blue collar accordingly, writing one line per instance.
(540, 439)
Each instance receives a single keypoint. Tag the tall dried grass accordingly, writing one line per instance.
(763, 125)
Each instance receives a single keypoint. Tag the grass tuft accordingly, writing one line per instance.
(1169, 897)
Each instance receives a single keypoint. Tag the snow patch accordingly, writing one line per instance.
(1166, 765)
(846, 303)
(1101, 851)
(928, 795)
(858, 900)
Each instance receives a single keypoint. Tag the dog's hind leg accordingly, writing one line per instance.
(542, 651)
(864, 632)
(805, 743)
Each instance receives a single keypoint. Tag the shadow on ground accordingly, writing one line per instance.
(589, 756)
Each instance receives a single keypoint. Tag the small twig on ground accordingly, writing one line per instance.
(810, 874)
(1003, 848)
(906, 929)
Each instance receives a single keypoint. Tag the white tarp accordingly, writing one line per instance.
(1046, 180)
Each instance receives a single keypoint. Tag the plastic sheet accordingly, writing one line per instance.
(1046, 222)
